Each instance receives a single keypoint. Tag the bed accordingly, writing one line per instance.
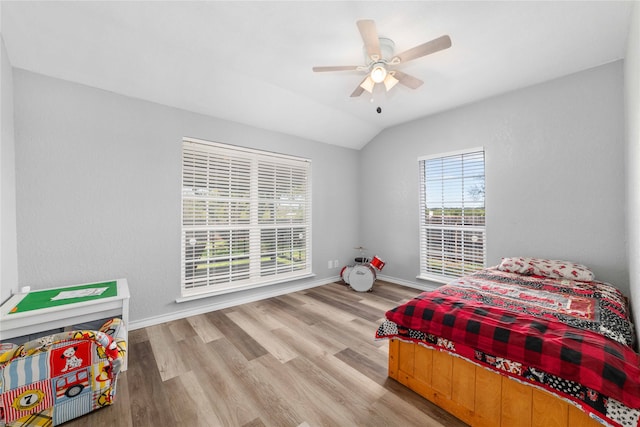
(530, 342)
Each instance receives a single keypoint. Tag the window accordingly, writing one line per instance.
(246, 218)
(452, 215)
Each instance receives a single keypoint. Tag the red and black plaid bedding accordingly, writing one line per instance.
(577, 331)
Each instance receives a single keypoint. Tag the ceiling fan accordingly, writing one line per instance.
(380, 58)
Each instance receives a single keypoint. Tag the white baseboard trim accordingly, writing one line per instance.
(259, 294)
(420, 286)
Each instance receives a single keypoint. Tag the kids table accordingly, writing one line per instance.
(45, 309)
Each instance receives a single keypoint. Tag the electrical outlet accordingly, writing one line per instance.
(335, 263)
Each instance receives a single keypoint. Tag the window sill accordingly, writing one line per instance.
(247, 287)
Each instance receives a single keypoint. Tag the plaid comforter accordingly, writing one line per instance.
(577, 331)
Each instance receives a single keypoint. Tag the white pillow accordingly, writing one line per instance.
(557, 269)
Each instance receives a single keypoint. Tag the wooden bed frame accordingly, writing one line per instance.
(476, 395)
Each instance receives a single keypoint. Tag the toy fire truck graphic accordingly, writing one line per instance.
(72, 384)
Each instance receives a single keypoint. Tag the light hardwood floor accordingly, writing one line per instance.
(308, 358)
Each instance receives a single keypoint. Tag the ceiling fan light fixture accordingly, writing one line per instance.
(390, 81)
(368, 84)
(379, 57)
(378, 73)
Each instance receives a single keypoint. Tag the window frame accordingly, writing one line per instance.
(426, 273)
(202, 217)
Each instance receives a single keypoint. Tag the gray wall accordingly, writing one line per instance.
(8, 253)
(98, 184)
(98, 191)
(555, 181)
(632, 105)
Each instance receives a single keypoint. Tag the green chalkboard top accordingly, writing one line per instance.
(46, 298)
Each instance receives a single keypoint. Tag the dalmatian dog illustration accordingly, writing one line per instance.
(72, 361)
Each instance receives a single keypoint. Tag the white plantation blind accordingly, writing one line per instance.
(452, 214)
(246, 218)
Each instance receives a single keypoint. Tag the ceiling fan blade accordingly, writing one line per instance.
(356, 93)
(369, 35)
(424, 49)
(336, 68)
(407, 80)
(359, 89)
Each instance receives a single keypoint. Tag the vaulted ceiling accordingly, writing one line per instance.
(250, 62)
